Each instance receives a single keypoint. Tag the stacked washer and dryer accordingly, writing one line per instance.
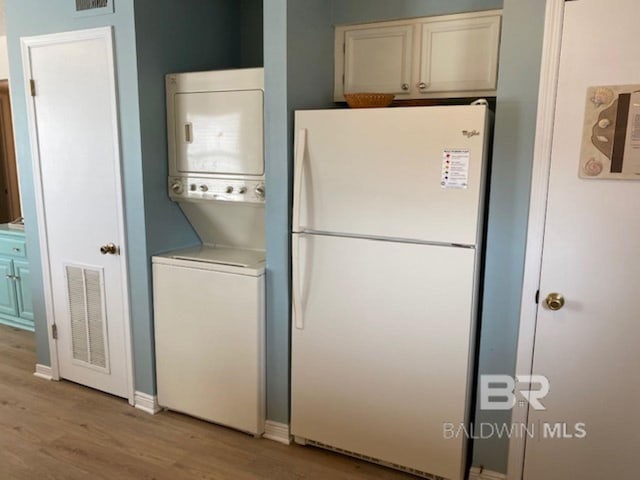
(209, 301)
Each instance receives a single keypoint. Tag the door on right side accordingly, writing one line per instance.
(589, 347)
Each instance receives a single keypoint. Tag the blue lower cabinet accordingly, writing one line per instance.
(23, 289)
(8, 301)
(16, 306)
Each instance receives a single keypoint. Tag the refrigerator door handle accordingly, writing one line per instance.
(295, 281)
(298, 175)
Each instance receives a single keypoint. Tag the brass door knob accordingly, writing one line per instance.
(554, 301)
(109, 249)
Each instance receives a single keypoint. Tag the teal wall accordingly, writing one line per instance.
(251, 33)
(278, 176)
(298, 57)
(37, 17)
(299, 74)
(517, 96)
(168, 40)
(512, 162)
(151, 40)
(515, 127)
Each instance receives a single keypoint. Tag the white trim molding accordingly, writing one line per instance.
(550, 65)
(278, 432)
(479, 473)
(44, 372)
(147, 403)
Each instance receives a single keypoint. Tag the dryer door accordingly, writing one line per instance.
(219, 133)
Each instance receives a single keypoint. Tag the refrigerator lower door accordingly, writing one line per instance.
(382, 349)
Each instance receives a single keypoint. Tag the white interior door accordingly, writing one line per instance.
(589, 348)
(74, 137)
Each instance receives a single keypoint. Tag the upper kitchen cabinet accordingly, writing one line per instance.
(378, 59)
(430, 57)
(459, 54)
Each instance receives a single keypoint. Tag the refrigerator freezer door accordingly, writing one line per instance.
(379, 172)
(381, 349)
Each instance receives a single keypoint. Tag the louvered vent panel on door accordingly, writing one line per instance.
(77, 313)
(86, 310)
(82, 5)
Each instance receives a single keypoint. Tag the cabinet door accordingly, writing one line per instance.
(23, 289)
(8, 304)
(459, 55)
(378, 59)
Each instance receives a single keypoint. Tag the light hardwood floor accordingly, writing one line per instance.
(59, 430)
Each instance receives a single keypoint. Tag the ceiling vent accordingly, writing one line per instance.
(93, 7)
(89, 4)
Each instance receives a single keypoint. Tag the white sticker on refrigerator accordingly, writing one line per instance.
(455, 168)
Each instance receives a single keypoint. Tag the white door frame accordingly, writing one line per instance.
(547, 95)
(103, 33)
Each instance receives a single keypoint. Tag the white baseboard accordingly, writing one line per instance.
(147, 403)
(478, 473)
(278, 432)
(44, 372)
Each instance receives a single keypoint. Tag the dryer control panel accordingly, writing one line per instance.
(194, 189)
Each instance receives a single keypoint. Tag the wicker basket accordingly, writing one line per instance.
(369, 100)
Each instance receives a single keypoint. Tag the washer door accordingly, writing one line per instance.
(209, 338)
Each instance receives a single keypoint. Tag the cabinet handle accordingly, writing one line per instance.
(16, 250)
(13, 277)
(422, 85)
(405, 86)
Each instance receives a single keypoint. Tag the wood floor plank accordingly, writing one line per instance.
(63, 431)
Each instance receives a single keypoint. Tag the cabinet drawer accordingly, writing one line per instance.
(12, 247)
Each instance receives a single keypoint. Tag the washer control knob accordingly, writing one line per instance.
(242, 190)
(204, 188)
(229, 189)
(176, 187)
(260, 191)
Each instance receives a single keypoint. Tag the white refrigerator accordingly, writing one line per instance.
(387, 224)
